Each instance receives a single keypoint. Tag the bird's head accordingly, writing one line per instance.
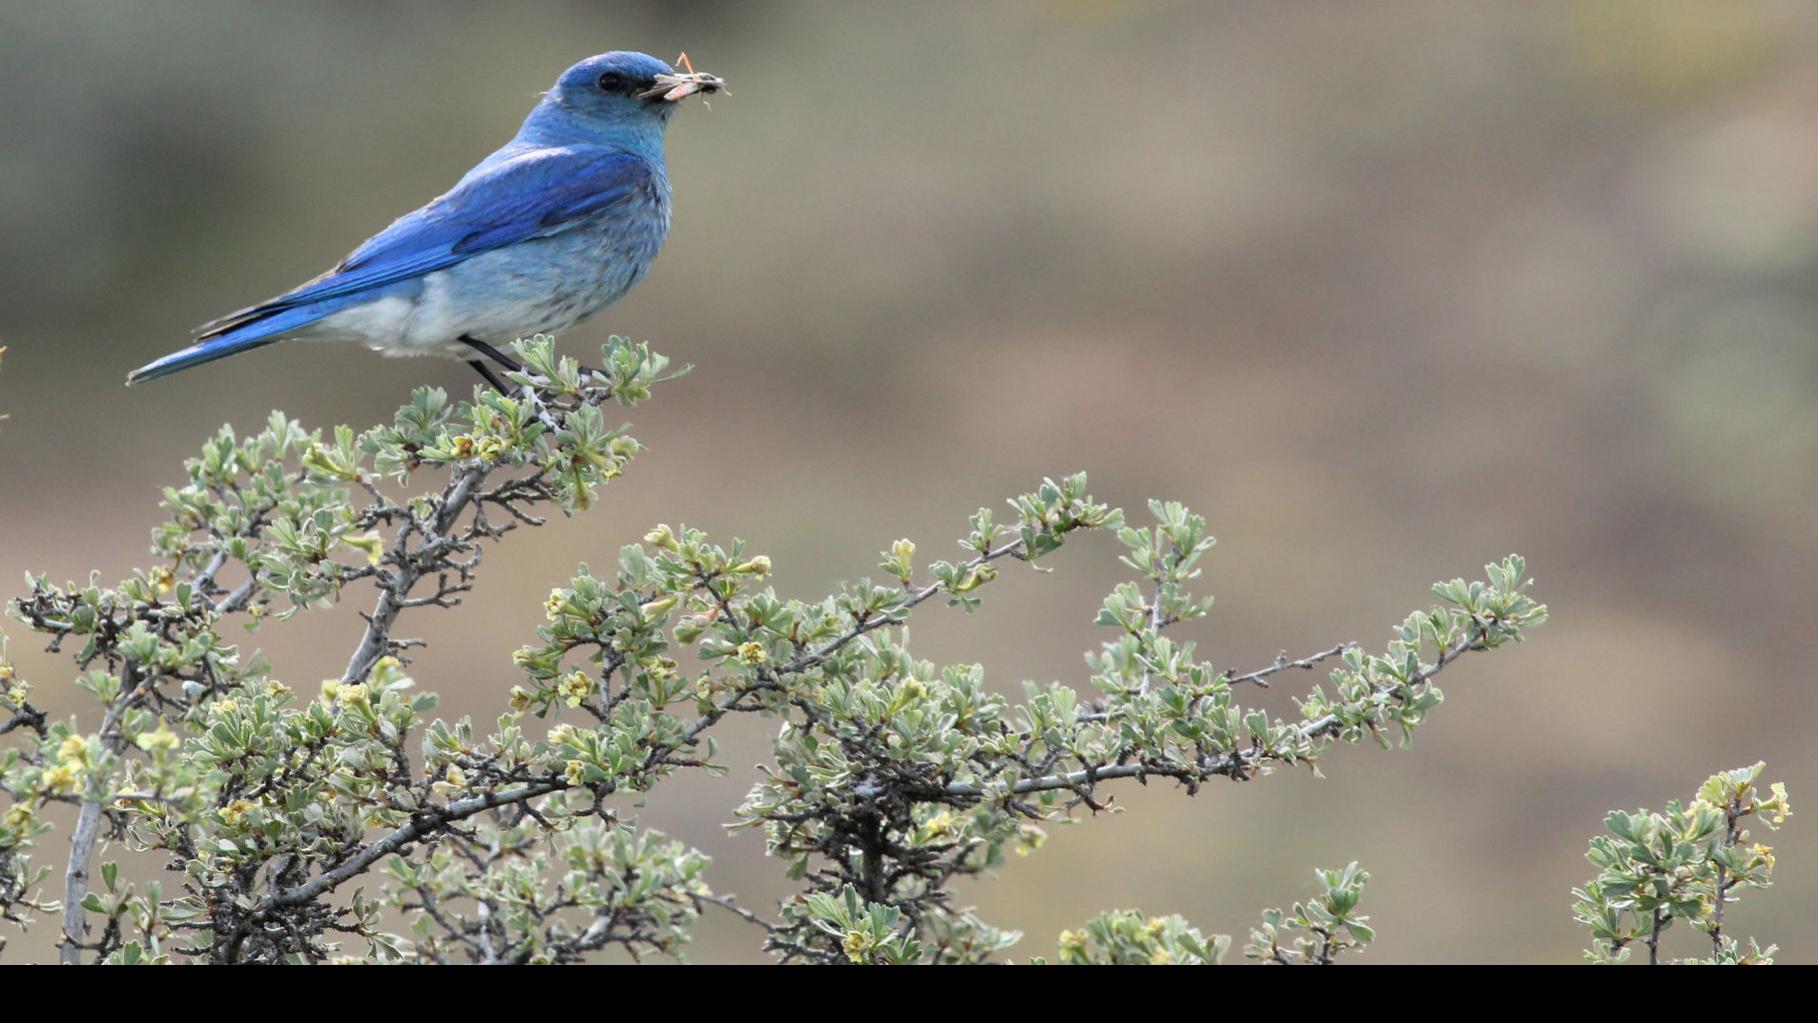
(619, 98)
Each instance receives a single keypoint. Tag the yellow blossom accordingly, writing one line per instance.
(163, 739)
(520, 699)
(575, 687)
(60, 779)
(455, 776)
(1031, 837)
(73, 750)
(19, 815)
(575, 772)
(1154, 928)
(224, 706)
(163, 579)
(235, 812)
(463, 446)
(1780, 809)
(856, 945)
(752, 653)
(1072, 944)
(1161, 957)
(661, 536)
(939, 823)
(352, 696)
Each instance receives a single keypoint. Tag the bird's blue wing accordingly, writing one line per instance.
(534, 194)
(538, 193)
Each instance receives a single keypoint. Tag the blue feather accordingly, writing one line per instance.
(233, 342)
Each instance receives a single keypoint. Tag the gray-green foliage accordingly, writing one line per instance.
(1686, 864)
(1313, 932)
(348, 820)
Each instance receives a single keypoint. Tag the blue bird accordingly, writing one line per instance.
(551, 228)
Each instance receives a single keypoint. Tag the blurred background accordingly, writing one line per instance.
(1385, 291)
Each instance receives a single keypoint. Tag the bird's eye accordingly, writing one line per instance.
(612, 81)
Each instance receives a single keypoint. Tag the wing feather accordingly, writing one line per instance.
(536, 194)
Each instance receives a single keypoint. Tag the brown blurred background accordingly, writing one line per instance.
(1384, 290)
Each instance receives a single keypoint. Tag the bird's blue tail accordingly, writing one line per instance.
(243, 338)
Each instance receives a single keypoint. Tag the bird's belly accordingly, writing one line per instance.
(542, 286)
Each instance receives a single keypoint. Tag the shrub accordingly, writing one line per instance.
(350, 821)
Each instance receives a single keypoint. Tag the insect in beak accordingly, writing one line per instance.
(675, 88)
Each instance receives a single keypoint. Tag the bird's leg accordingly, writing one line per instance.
(502, 359)
(490, 352)
(492, 378)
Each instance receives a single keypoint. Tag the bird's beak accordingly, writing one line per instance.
(675, 88)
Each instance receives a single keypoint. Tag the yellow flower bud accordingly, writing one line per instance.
(856, 945)
(552, 608)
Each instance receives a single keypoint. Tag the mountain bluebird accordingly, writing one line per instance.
(551, 228)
